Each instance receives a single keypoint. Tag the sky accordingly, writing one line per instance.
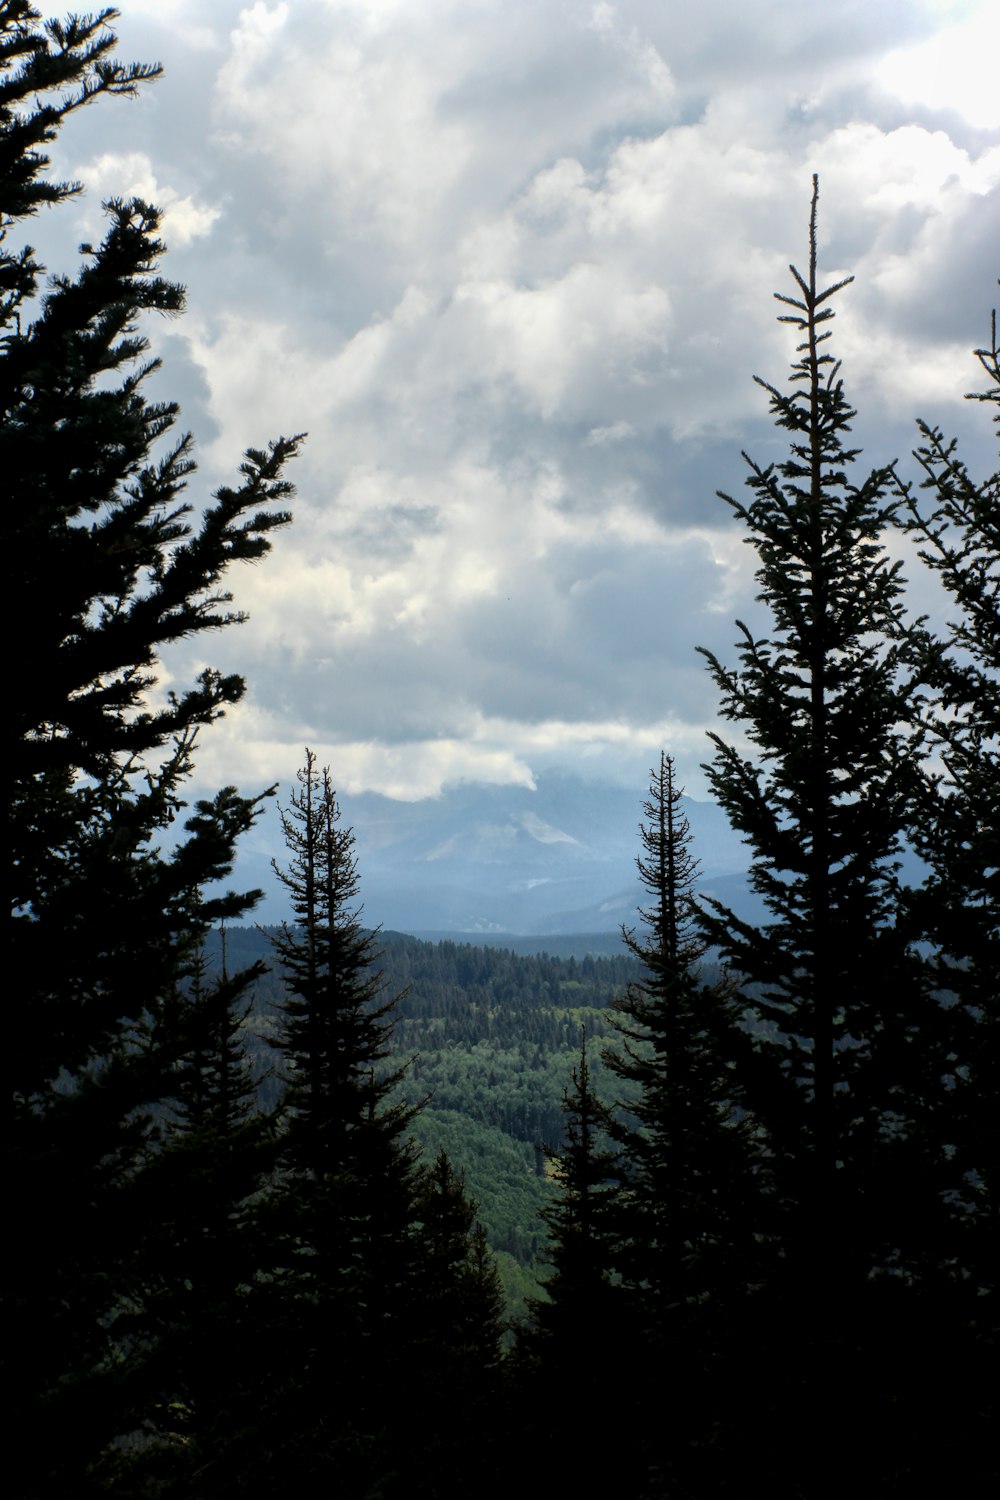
(510, 264)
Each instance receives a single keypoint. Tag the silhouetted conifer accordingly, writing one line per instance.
(845, 1025)
(344, 1206)
(955, 827)
(691, 1209)
(449, 1425)
(107, 564)
(683, 1138)
(584, 1220)
(205, 1261)
(578, 1328)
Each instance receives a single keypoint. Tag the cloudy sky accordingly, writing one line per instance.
(509, 263)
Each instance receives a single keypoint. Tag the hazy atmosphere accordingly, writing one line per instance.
(510, 266)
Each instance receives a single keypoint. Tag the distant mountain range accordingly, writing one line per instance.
(483, 860)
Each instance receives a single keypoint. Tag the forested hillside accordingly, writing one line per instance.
(254, 1176)
(489, 1039)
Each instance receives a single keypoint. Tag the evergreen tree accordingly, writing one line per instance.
(583, 1222)
(204, 1263)
(344, 1206)
(579, 1331)
(334, 1030)
(687, 1154)
(846, 1031)
(955, 828)
(106, 566)
(388, 1326)
(690, 1211)
(452, 1337)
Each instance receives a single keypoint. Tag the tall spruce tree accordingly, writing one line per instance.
(691, 1217)
(847, 1034)
(384, 1346)
(334, 1033)
(107, 565)
(344, 1206)
(683, 1138)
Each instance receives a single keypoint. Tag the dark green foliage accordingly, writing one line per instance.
(203, 1261)
(823, 805)
(107, 565)
(347, 1186)
(584, 1229)
(453, 1338)
(490, 1038)
(381, 1321)
(863, 1305)
(690, 1220)
(956, 829)
(343, 1206)
(73, 58)
(579, 1330)
(334, 1032)
(655, 1231)
(688, 1206)
(494, 1034)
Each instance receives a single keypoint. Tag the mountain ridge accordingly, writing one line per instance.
(487, 860)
